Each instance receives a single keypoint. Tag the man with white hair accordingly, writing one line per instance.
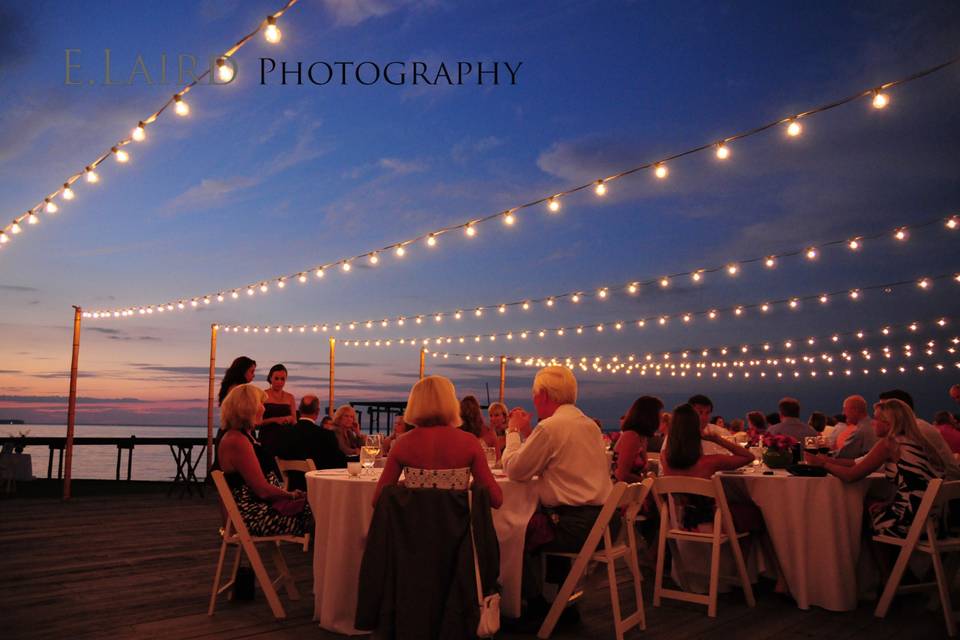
(859, 436)
(567, 453)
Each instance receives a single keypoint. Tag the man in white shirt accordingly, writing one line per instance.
(567, 453)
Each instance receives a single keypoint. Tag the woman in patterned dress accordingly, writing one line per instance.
(437, 454)
(250, 472)
(907, 459)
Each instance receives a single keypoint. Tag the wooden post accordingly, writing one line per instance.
(503, 375)
(333, 343)
(423, 357)
(72, 402)
(213, 367)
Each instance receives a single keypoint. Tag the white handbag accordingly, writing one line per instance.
(489, 605)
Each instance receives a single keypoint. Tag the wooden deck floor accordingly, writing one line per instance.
(140, 566)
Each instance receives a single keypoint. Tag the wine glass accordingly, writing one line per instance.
(369, 451)
(811, 444)
(757, 458)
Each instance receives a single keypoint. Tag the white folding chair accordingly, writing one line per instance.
(935, 500)
(293, 465)
(630, 498)
(723, 533)
(235, 532)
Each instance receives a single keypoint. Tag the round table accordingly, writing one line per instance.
(342, 509)
(815, 526)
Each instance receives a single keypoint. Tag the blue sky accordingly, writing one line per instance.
(267, 180)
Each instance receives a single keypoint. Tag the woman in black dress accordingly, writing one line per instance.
(279, 407)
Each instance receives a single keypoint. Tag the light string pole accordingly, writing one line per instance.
(210, 388)
(72, 402)
(333, 350)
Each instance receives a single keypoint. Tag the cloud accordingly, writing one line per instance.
(400, 167)
(466, 150)
(349, 13)
(16, 288)
(62, 399)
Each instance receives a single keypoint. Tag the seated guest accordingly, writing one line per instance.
(437, 454)
(704, 409)
(567, 453)
(757, 421)
(308, 440)
(630, 452)
(772, 419)
(947, 426)
(683, 453)
(497, 412)
(326, 422)
(472, 419)
(240, 371)
(267, 509)
(399, 428)
(858, 437)
(655, 442)
(790, 423)
(347, 430)
(929, 432)
(719, 421)
(905, 456)
(736, 425)
(818, 421)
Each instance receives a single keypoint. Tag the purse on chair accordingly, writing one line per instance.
(489, 605)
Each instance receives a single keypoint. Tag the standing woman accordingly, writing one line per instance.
(279, 407)
(240, 371)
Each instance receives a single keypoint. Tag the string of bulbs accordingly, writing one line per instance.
(810, 252)
(879, 99)
(794, 303)
(225, 73)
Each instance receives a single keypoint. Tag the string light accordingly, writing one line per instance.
(794, 129)
(432, 240)
(224, 70)
(180, 105)
(32, 218)
(121, 155)
(880, 99)
(553, 204)
(723, 151)
(51, 206)
(272, 31)
(509, 219)
(901, 234)
(660, 170)
(139, 133)
(91, 176)
(601, 188)
(67, 191)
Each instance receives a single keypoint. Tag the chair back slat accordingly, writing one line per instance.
(294, 465)
(229, 504)
(666, 485)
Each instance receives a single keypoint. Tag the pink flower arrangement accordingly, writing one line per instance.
(779, 442)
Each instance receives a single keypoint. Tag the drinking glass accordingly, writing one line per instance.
(823, 445)
(491, 455)
(369, 452)
(811, 445)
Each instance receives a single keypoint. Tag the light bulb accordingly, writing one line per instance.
(431, 240)
(121, 155)
(272, 33)
(953, 223)
(139, 133)
(51, 206)
(601, 188)
(32, 218)
(794, 129)
(263, 287)
(633, 288)
(664, 282)
(180, 106)
(723, 152)
(400, 251)
(470, 230)
(3, 237)
(900, 234)
(224, 70)
(302, 278)
(509, 218)
(770, 262)
(67, 192)
(924, 283)
(660, 170)
(281, 283)
(733, 269)
(602, 293)
(854, 244)
(318, 272)
(374, 258)
(345, 266)
(811, 253)
(553, 205)
(880, 99)
(696, 276)
(91, 176)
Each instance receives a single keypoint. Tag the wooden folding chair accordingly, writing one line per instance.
(723, 533)
(630, 498)
(235, 532)
(935, 500)
(293, 465)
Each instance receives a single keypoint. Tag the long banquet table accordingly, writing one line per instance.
(815, 526)
(342, 508)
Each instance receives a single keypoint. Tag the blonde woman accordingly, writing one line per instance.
(907, 459)
(267, 508)
(498, 414)
(347, 428)
(437, 453)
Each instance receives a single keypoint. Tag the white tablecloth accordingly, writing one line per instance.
(815, 526)
(342, 510)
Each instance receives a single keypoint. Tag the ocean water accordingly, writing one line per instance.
(100, 461)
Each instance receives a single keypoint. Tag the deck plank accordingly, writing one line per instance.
(141, 566)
